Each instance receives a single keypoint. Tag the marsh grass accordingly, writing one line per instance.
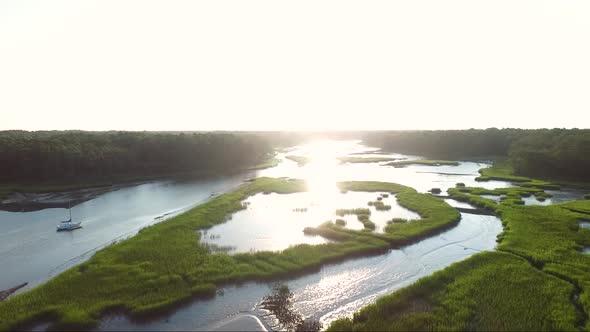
(165, 264)
(364, 219)
(353, 160)
(379, 205)
(397, 221)
(490, 291)
(300, 160)
(424, 162)
(539, 279)
(362, 215)
(271, 161)
(510, 196)
(436, 215)
(356, 211)
(503, 171)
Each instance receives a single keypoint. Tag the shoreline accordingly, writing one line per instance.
(29, 198)
(28, 202)
(35, 199)
(7, 292)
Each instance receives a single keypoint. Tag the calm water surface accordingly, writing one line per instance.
(32, 251)
(275, 222)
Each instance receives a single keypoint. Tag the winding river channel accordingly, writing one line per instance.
(31, 251)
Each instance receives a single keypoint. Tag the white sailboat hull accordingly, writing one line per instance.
(69, 226)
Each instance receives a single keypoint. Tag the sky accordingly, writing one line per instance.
(294, 65)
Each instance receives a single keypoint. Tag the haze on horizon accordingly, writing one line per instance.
(303, 65)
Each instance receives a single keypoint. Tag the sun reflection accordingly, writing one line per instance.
(321, 170)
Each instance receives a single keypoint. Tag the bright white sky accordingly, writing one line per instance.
(303, 65)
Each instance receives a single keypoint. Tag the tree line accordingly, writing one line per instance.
(550, 153)
(57, 156)
(73, 155)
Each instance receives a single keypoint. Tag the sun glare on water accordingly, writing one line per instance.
(321, 170)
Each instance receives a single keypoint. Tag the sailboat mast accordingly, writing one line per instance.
(70, 209)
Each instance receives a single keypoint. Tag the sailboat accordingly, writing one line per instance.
(69, 225)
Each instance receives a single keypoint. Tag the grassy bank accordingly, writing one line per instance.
(436, 215)
(164, 264)
(424, 162)
(271, 162)
(88, 182)
(490, 291)
(353, 160)
(503, 171)
(300, 160)
(538, 280)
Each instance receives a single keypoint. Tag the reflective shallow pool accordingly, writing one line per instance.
(275, 222)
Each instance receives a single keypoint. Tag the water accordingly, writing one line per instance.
(566, 194)
(559, 196)
(420, 177)
(32, 251)
(532, 200)
(275, 222)
(495, 198)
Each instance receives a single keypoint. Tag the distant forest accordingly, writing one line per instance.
(64, 156)
(55, 156)
(548, 153)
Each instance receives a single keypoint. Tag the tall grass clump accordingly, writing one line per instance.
(424, 162)
(379, 205)
(349, 159)
(356, 211)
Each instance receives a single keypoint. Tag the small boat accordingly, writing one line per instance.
(69, 225)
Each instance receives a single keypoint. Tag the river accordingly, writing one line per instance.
(32, 251)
